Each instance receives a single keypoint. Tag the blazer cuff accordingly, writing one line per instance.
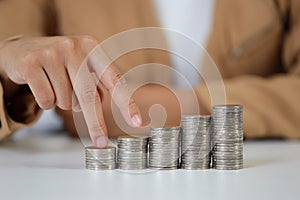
(21, 112)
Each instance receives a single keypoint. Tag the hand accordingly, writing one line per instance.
(50, 66)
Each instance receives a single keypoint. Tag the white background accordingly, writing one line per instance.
(192, 18)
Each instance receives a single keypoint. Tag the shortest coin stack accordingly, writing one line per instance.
(164, 148)
(100, 159)
(132, 152)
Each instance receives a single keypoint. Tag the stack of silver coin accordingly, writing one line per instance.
(132, 152)
(164, 146)
(227, 141)
(195, 142)
(100, 159)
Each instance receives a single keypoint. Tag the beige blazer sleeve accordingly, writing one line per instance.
(271, 102)
(26, 18)
(22, 111)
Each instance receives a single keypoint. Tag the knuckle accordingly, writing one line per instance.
(30, 58)
(118, 78)
(45, 101)
(98, 128)
(68, 43)
(49, 53)
(90, 97)
(132, 105)
(102, 125)
(91, 40)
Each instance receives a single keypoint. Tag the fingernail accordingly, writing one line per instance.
(101, 142)
(136, 121)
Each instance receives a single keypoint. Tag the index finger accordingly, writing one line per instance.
(89, 99)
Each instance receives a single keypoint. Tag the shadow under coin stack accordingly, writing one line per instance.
(227, 140)
(100, 159)
(132, 152)
(164, 148)
(195, 142)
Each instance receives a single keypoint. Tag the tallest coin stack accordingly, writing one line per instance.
(227, 137)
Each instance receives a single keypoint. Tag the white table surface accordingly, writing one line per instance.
(52, 167)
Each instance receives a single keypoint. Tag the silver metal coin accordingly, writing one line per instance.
(132, 152)
(100, 159)
(164, 145)
(195, 142)
(227, 137)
